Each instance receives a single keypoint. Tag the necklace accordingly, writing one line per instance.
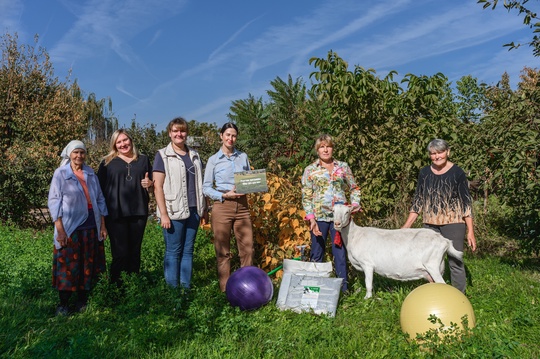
(129, 177)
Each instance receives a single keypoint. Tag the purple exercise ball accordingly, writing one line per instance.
(249, 288)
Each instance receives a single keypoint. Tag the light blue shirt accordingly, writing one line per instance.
(67, 199)
(219, 173)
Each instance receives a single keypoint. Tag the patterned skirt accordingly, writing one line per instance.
(78, 266)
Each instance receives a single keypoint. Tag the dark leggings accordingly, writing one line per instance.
(126, 235)
(456, 233)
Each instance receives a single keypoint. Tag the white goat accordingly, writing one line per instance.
(401, 254)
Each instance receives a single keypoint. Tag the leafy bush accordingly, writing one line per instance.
(278, 222)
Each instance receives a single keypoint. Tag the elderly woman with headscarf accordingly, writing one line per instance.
(78, 210)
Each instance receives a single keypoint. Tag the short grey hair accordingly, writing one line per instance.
(438, 145)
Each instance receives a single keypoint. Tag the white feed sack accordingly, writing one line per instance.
(307, 287)
(307, 268)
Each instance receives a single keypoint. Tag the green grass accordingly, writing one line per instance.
(150, 320)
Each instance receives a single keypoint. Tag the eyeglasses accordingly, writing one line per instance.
(129, 177)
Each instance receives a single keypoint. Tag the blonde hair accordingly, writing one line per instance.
(180, 122)
(112, 146)
(324, 139)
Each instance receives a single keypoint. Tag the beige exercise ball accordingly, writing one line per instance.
(442, 300)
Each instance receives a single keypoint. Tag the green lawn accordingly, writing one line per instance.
(150, 320)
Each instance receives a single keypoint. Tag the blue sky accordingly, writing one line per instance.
(158, 59)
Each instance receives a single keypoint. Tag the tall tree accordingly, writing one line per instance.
(101, 120)
(101, 123)
(279, 135)
(469, 99)
(511, 133)
(251, 115)
(295, 118)
(38, 116)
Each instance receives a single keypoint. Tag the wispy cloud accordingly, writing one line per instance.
(156, 36)
(231, 39)
(10, 15)
(446, 32)
(319, 28)
(352, 29)
(219, 103)
(121, 89)
(110, 24)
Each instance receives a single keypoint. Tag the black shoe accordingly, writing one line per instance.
(80, 307)
(62, 311)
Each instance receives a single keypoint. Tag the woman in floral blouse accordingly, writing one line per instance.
(324, 183)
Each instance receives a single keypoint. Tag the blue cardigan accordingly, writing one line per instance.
(67, 199)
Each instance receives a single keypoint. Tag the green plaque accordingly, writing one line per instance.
(250, 181)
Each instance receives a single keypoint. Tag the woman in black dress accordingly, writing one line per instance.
(125, 178)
